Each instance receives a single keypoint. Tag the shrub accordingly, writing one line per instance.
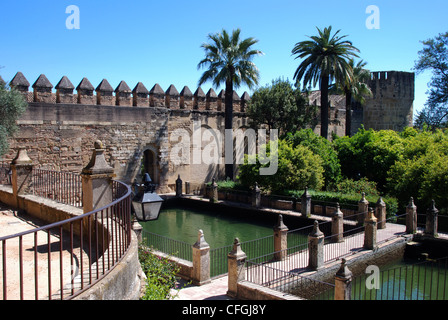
(160, 274)
(357, 186)
(323, 148)
(298, 167)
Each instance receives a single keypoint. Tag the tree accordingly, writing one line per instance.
(434, 57)
(355, 90)
(326, 59)
(280, 106)
(228, 60)
(298, 167)
(12, 106)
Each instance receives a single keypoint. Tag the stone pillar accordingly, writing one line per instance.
(306, 204)
(97, 181)
(172, 97)
(64, 91)
(343, 282)
(432, 220)
(316, 248)
(337, 225)
(214, 192)
(186, 99)
(157, 96)
(104, 94)
(85, 93)
(363, 209)
(256, 197)
(211, 100)
(140, 96)
(236, 260)
(187, 187)
(380, 213)
(22, 175)
(370, 231)
(201, 261)
(178, 187)
(280, 240)
(123, 95)
(199, 99)
(42, 90)
(411, 217)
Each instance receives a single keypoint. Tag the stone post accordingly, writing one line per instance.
(140, 96)
(306, 204)
(280, 240)
(432, 220)
(411, 217)
(186, 99)
(199, 99)
(178, 186)
(64, 91)
(343, 282)
(337, 225)
(22, 171)
(214, 192)
(256, 197)
(380, 213)
(104, 94)
(97, 181)
(42, 90)
(157, 96)
(370, 231)
(201, 261)
(187, 187)
(85, 93)
(236, 260)
(211, 100)
(172, 97)
(363, 208)
(316, 248)
(123, 95)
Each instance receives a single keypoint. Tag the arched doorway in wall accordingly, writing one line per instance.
(150, 165)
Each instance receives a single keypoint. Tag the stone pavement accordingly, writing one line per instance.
(216, 290)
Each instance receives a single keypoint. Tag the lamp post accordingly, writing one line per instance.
(146, 201)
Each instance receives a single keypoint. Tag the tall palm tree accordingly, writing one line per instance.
(355, 90)
(326, 59)
(228, 60)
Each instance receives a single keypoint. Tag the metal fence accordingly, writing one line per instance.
(61, 260)
(63, 187)
(422, 281)
(174, 248)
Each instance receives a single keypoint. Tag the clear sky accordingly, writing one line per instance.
(159, 41)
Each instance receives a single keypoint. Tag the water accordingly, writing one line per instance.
(220, 230)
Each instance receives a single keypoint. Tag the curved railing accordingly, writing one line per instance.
(63, 259)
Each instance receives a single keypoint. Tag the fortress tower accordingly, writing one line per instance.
(391, 105)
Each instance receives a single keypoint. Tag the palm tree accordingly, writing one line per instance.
(326, 59)
(356, 90)
(228, 60)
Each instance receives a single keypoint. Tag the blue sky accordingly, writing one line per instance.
(159, 41)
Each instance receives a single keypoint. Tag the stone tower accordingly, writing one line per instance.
(391, 105)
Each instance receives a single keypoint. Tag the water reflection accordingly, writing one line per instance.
(219, 229)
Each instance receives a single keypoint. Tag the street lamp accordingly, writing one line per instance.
(146, 202)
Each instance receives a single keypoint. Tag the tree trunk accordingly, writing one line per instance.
(229, 122)
(324, 106)
(348, 113)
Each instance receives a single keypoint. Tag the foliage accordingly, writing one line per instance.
(323, 148)
(160, 274)
(298, 167)
(369, 154)
(12, 106)
(280, 106)
(325, 59)
(434, 57)
(357, 186)
(422, 170)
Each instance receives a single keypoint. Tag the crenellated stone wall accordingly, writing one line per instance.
(58, 128)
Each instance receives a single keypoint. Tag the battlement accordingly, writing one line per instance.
(122, 95)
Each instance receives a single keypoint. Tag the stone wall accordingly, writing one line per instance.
(58, 129)
(391, 106)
